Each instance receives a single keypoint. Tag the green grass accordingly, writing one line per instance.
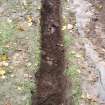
(72, 70)
(7, 29)
(68, 39)
(73, 74)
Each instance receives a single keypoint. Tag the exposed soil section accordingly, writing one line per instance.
(51, 82)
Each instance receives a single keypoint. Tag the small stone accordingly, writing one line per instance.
(70, 26)
(3, 76)
(5, 63)
(26, 75)
(50, 63)
(61, 45)
(73, 52)
(29, 64)
(24, 2)
(1, 64)
(12, 76)
(9, 20)
(52, 30)
(78, 55)
(27, 37)
(19, 88)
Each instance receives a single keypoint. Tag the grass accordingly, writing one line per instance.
(69, 40)
(72, 70)
(7, 29)
(73, 74)
(8, 32)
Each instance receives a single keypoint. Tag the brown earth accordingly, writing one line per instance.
(51, 82)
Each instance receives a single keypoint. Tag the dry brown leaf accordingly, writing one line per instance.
(21, 29)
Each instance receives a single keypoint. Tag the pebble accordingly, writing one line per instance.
(29, 64)
(12, 76)
(70, 26)
(4, 63)
(3, 77)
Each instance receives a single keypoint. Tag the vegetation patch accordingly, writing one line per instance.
(7, 29)
(72, 69)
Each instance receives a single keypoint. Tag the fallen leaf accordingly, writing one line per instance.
(19, 88)
(78, 70)
(24, 2)
(3, 77)
(64, 28)
(99, 7)
(29, 18)
(4, 63)
(73, 52)
(78, 55)
(2, 72)
(39, 7)
(29, 23)
(12, 76)
(21, 29)
(88, 96)
(3, 57)
(9, 20)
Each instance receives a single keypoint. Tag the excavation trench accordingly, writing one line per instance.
(51, 82)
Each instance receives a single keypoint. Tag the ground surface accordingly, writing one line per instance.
(19, 38)
(83, 28)
(51, 82)
(90, 24)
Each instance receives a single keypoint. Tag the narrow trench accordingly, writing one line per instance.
(51, 82)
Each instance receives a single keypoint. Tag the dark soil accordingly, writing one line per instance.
(51, 82)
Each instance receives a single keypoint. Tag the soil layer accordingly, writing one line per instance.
(51, 82)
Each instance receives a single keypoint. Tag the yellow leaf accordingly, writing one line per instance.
(19, 88)
(78, 70)
(73, 52)
(29, 18)
(99, 7)
(83, 96)
(89, 96)
(38, 7)
(64, 27)
(3, 57)
(78, 55)
(9, 20)
(3, 77)
(30, 24)
(2, 72)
